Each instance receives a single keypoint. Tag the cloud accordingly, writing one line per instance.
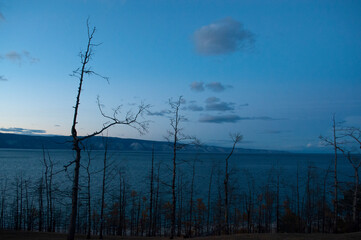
(30, 58)
(222, 37)
(13, 56)
(20, 57)
(244, 105)
(231, 118)
(197, 86)
(212, 100)
(160, 113)
(194, 107)
(22, 130)
(217, 86)
(215, 104)
(264, 118)
(213, 86)
(2, 78)
(219, 119)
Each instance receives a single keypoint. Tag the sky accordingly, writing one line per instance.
(273, 71)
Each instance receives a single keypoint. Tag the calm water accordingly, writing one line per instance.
(135, 166)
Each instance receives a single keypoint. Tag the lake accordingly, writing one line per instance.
(135, 166)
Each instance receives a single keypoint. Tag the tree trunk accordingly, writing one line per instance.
(119, 229)
(354, 202)
(74, 201)
(278, 203)
(191, 203)
(151, 196)
(335, 202)
(173, 186)
(103, 191)
(209, 199)
(41, 205)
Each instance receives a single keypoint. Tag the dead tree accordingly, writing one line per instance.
(156, 207)
(130, 119)
(324, 203)
(48, 175)
(3, 196)
(235, 138)
(176, 137)
(351, 141)
(209, 197)
(191, 200)
(103, 189)
(87, 168)
(354, 159)
(298, 198)
(120, 207)
(150, 233)
(40, 191)
(355, 162)
(334, 142)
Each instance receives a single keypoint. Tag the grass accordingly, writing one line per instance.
(18, 235)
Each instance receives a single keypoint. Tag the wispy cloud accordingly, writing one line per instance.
(222, 37)
(213, 86)
(215, 104)
(20, 57)
(232, 118)
(22, 130)
(197, 86)
(217, 86)
(30, 58)
(2, 78)
(13, 56)
(264, 118)
(219, 119)
(159, 113)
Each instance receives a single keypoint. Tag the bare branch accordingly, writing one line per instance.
(130, 119)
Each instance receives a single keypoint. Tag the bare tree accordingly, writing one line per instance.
(353, 157)
(191, 200)
(103, 188)
(48, 177)
(130, 119)
(235, 138)
(209, 197)
(40, 191)
(150, 233)
(176, 137)
(88, 194)
(4, 188)
(334, 142)
(351, 137)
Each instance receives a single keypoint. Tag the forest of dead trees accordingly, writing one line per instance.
(64, 198)
(272, 203)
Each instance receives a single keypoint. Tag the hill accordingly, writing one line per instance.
(18, 141)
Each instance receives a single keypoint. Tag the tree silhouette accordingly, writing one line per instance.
(130, 119)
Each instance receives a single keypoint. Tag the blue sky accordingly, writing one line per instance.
(275, 71)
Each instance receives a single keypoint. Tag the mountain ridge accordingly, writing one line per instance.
(21, 141)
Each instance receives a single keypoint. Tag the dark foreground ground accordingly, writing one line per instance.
(12, 235)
